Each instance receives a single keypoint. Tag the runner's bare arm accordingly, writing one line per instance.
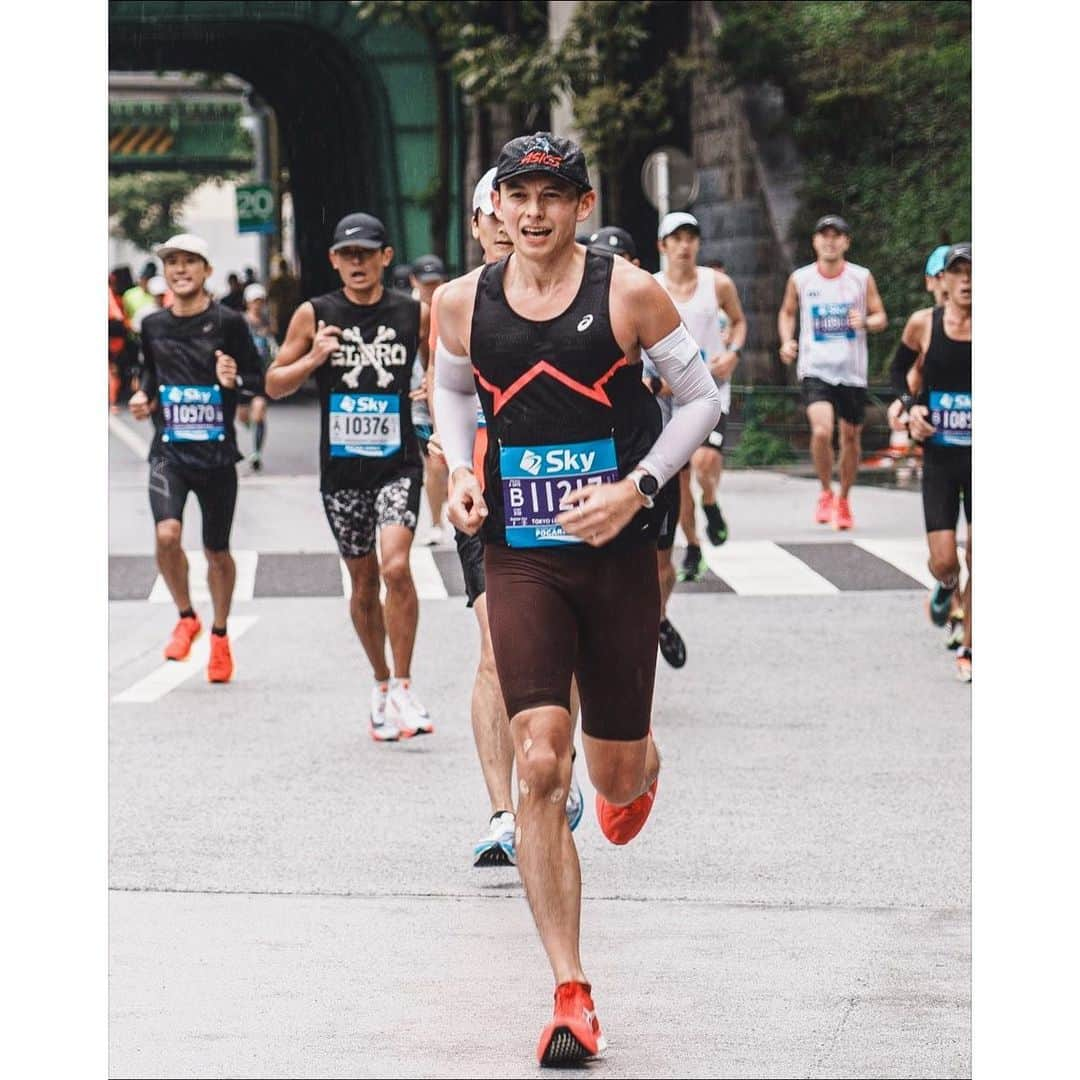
(876, 318)
(305, 348)
(425, 330)
(785, 323)
(727, 297)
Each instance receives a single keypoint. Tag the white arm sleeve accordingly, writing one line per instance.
(455, 406)
(678, 362)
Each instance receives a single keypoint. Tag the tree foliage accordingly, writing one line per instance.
(145, 207)
(880, 99)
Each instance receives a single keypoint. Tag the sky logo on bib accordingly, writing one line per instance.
(585, 323)
(531, 462)
(955, 401)
(189, 395)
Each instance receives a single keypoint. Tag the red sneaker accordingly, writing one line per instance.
(574, 1033)
(221, 666)
(620, 824)
(824, 512)
(843, 518)
(184, 633)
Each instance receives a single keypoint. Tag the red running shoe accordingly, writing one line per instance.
(620, 824)
(843, 519)
(824, 512)
(184, 633)
(221, 666)
(574, 1033)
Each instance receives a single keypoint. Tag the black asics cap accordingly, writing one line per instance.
(542, 153)
(833, 221)
(359, 230)
(429, 268)
(611, 240)
(957, 253)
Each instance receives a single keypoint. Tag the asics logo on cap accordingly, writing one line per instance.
(585, 323)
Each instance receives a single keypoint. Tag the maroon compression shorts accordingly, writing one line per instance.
(593, 612)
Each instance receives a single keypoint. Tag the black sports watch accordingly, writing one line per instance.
(647, 486)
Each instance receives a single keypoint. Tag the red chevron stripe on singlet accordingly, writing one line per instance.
(542, 367)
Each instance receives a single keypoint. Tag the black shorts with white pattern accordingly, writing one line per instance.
(355, 515)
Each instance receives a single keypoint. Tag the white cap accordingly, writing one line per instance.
(675, 221)
(481, 196)
(186, 242)
(157, 286)
(254, 292)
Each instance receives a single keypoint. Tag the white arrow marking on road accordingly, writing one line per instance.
(171, 674)
(761, 568)
(136, 445)
(246, 564)
(425, 573)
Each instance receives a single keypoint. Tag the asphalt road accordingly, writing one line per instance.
(291, 899)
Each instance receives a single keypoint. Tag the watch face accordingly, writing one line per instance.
(648, 485)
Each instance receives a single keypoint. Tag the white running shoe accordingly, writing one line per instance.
(406, 712)
(497, 848)
(433, 536)
(575, 802)
(381, 729)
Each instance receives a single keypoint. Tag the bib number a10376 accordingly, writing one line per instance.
(365, 425)
(535, 480)
(950, 413)
(192, 414)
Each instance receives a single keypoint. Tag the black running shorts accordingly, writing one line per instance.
(215, 488)
(669, 497)
(470, 551)
(356, 515)
(848, 401)
(593, 612)
(717, 438)
(946, 483)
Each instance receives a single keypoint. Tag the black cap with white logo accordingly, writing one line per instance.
(833, 221)
(429, 268)
(543, 153)
(611, 240)
(359, 230)
(958, 252)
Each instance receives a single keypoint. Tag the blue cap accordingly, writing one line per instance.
(936, 262)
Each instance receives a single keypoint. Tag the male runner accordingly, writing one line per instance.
(425, 276)
(574, 459)
(359, 343)
(938, 342)
(611, 240)
(490, 724)
(709, 305)
(197, 358)
(837, 303)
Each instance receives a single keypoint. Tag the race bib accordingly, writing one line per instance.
(950, 413)
(535, 479)
(365, 425)
(192, 414)
(481, 419)
(830, 321)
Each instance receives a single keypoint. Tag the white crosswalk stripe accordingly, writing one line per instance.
(247, 562)
(425, 572)
(761, 568)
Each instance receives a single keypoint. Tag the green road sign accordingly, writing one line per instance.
(255, 208)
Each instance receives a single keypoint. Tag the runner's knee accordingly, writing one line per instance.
(217, 559)
(168, 534)
(617, 784)
(396, 573)
(942, 567)
(543, 772)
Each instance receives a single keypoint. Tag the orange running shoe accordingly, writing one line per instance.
(184, 633)
(221, 666)
(620, 824)
(843, 518)
(824, 512)
(574, 1033)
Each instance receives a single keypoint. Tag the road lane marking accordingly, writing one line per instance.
(425, 573)
(136, 444)
(908, 556)
(171, 673)
(761, 568)
(246, 564)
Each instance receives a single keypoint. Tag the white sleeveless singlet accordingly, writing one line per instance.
(828, 348)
